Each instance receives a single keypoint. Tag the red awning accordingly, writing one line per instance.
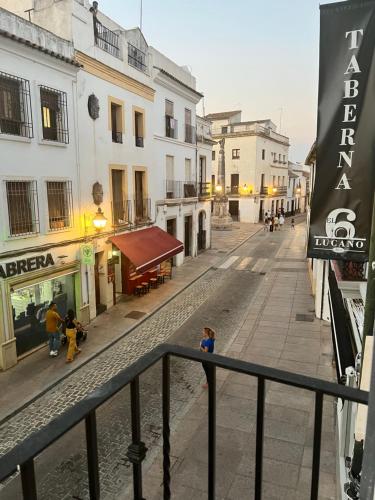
(148, 247)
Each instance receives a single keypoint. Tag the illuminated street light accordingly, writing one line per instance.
(99, 220)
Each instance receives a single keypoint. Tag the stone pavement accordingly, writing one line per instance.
(271, 334)
(37, 373)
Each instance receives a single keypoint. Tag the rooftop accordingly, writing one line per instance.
(222, 116)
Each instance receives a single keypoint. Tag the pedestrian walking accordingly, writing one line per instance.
(281, 221)
(265, 224)
(292, 223)
(207, 345)
(276, 222)
(71, 324)
(53, 320)
(271, 224)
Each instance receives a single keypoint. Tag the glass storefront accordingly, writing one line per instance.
(29, 307)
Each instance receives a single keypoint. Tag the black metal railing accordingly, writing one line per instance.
(204, 189)
(54, 111)
(142, 210)
(116, 137)
(121, 212)
(264, 190)
(136, 58)
(139, 142)
(232, 190)
(171, 127)
(190, 134)
(279, 191)
(106, 39)
(180, 189)
(23, 454)
(15, 106)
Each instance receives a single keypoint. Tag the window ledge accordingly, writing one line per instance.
(21, 237)
(14, 138)
(44, 142)
(62, 230)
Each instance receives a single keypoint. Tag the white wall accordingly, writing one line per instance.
(36, 159)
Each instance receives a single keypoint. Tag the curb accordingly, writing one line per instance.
(123, 335)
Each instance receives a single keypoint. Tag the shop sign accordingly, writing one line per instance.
(87, 254)
(25, 265)
(345, 176)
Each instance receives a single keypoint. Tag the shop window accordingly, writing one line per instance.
(23, 213)
(54, 115)
(60, 205)
(15, 106)
(29, 307)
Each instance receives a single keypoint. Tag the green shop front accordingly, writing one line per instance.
(28, 285)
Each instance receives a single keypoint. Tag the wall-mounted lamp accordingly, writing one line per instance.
(274, 190)
(218, 188)
(99, 220)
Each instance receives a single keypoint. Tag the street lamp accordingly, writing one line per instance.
(274, 190)
(218, 189)
(99, 220)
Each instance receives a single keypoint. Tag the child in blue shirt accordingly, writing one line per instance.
(207, 345)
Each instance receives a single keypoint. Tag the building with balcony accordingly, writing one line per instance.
(256, 159)
(298, 188)
(100, 117)
(183, 206)
(40, 202)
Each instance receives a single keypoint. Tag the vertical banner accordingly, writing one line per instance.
(342, 201)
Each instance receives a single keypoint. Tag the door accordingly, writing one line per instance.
(139, 200)
(234, 209)
(118, 202)
(234, 183)
(201, 232)
(187, 240)
(261, 210)
(202, 175)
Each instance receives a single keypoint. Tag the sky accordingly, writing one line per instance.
(258, 56)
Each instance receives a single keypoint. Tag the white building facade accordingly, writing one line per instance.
(256, 163)
(39, 180)
(109, 162)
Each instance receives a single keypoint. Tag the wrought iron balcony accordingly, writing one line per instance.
(232, 190)
(106, 39)
(139, 142)
(171, 127)
(23, 454)
(136, 58)
(204, 189)
(264, 191)
(121, 212)
(116, 137)
(180, 189)
(142, 210)
(190, 134)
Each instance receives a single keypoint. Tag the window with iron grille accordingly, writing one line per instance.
(54, 115)
(23, 212)
(136, 58)
(106, 39)
(15, 106)
(60, 205)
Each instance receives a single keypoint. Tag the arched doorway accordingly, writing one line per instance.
(201, 231)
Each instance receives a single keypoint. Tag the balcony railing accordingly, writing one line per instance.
(106, 39)
(264, 190)
(204, 189)
(139, 142)
(171, 126)
(121, 212)
(190, 134)
(142, 210)
(23, 454)
(136, 58)
(232, 190)
(116, 137)
(180, 189)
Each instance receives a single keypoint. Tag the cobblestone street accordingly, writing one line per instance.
(221, 299)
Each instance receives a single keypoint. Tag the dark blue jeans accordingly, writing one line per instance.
(54, 341)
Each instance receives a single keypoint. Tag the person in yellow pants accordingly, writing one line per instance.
(71, 332)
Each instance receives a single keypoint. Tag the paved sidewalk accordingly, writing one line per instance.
(37, 372)
(270, 335)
